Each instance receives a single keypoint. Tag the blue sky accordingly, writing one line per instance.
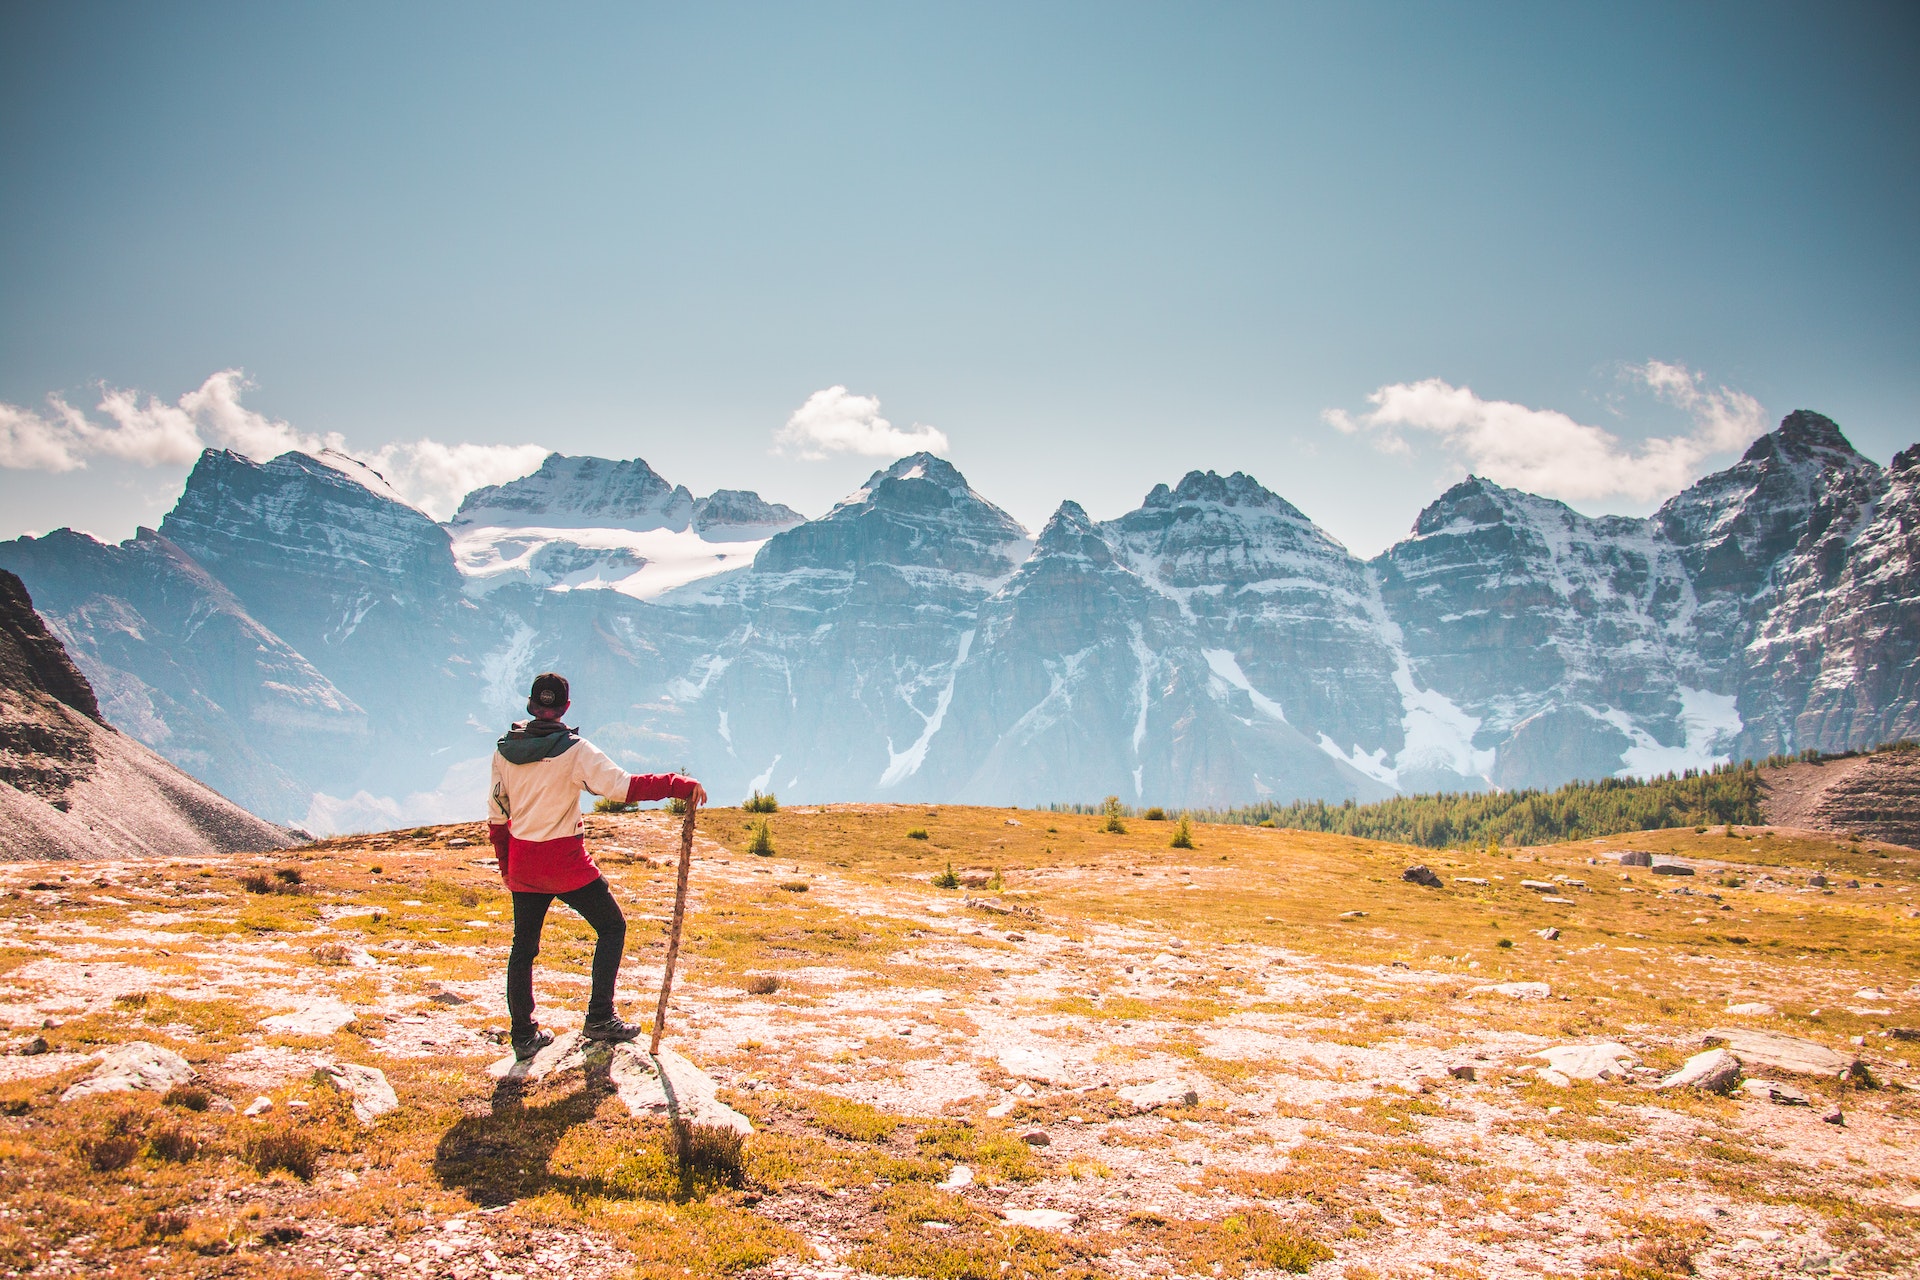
(1091, 246)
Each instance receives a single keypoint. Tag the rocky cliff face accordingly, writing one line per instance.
(299, 634)
(71, 786)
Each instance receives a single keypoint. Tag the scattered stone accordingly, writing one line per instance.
(1773, 1091)
(1470, 880)
(1001, 1110)
(459, 842)
(987, 905)
(975, 879)
(1550, 933)
(1558, 902)
(1159, 1093)
(1464, 1071)
(1715, 1071)
(1869, 993)
(1037, 1138)
(1606, 1061)
(1778, 1052)
(1515, 990)
(1016, 937)
(1751, 1009)
(320, 1017)
(134, 1065)
(1817, 881)
(1421, 876)
(33, 1047)
(1670, 869)
(1539, 886)
(961, 1176)
(1835, 1116)
(1352, 915)
(372, 1096)
(1636, 858)
(1043, 1219)
(258, 1107)
(448, 998)
(1911, 1202)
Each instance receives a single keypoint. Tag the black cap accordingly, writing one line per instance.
(549, 693)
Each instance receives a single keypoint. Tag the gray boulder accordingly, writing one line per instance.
(1421, 876)
(135, 1065)
(1715, 1071)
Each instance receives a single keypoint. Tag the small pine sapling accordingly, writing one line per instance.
(947, 879)
(1182, 835)
(1111, 807)
(760, 843)
(757, 803)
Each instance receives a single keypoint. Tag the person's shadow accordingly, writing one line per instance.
(503, 1155)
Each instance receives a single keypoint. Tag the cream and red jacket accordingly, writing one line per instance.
(533, 806)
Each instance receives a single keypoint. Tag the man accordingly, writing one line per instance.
(539, 771)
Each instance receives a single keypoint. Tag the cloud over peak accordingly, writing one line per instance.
(837, 421)
(151, 432)
(1548, 452)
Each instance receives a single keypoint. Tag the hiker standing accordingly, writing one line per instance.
(533, 812)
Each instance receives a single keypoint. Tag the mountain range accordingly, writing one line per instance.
(303, 640)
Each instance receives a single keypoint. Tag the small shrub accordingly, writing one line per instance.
(173, 1142)
(918, 833)
(711, 1153)
(760, 843)
(676, 806)
(331, 953)
(133, 1000)
(762, 984)
(376, 870)
(855, 1121)
(757, 803)
(188, 1097)
(1504, 942)
(1182, 835)
(287, 875)
(794, 886)
(947, 879)
(1268, 822)
(286, 1148)
(612, 804)
(115, 1151)
(1155, 814)
(162, 1225)
(1111, 808)
(254, 882)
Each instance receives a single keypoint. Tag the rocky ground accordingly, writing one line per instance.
(1874, 796)
(1095, 1055)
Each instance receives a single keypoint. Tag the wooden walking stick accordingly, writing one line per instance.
(679, 914)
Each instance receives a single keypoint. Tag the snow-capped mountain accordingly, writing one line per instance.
(306, 641)
(586, 523)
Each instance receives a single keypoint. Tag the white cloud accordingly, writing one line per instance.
(837, 421)
(1547, 452)
(150, 432)
(434, 476)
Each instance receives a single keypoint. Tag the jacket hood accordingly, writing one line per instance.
(531, 740)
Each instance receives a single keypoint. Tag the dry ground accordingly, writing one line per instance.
(916, 1028)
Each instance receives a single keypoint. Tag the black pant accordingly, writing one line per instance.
(596, 906)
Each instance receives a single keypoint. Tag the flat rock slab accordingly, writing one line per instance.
(1515, 990)
(1033, 1064)
(669, 1086)
(1607, 1061)
(1043, 1219)
(134, 1065)
(320, 1017)
(372, 1096)
(1777, 1052)
(1716, 1071)
(1159, 1093)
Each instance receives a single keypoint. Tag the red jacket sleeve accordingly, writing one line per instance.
(659, 786)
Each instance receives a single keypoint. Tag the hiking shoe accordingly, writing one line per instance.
(612, 1030)
(528, 1043)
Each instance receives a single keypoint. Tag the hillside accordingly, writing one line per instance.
(1874, 795)
(1267, 1054)
(71, 786)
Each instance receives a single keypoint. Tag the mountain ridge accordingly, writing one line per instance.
(1212, 646)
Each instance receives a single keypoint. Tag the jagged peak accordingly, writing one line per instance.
(922, 466)
(1907, 459)
(1801, 434)
(1477, 502)
(1069, 519)
(329, 465)
(580, 483)
(1236, 490)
